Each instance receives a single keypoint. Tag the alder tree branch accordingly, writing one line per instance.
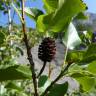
(30, 58)
(53, 82)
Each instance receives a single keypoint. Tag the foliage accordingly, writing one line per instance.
(79, 62)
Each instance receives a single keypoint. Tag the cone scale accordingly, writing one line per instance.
(47, 50)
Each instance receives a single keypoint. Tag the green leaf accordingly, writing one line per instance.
(50, 5)
(33, 13)
(13, 85)
(86, 82)
(74, 68)
(20, 50)
(65, 13)
(82, 57)
(40, 25)
(91, 50)
(29, 12)
(18, 3)
(43, 83)
(90, 54)
(2, 37)
(75, 56)
(88, 59)
(81, 16)
(15, 72)
(77, 75)
(59, 89)
(42, 80)
(71, 38)
(2, 8)
(92, 67)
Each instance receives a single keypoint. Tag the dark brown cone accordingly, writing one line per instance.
(47, 49)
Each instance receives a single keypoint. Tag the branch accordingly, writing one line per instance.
(42, 69)
(30, 58)
(53, 82)
(21, 19)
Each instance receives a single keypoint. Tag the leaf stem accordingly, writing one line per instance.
(42, 69)
(65, 56)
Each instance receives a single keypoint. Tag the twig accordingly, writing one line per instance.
(65, 56)
(21, 19)
(32, 66)
(49, 73)
(42, 69)
(53, 82)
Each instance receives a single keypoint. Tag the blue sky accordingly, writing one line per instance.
(38, 4)
(91, 5)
